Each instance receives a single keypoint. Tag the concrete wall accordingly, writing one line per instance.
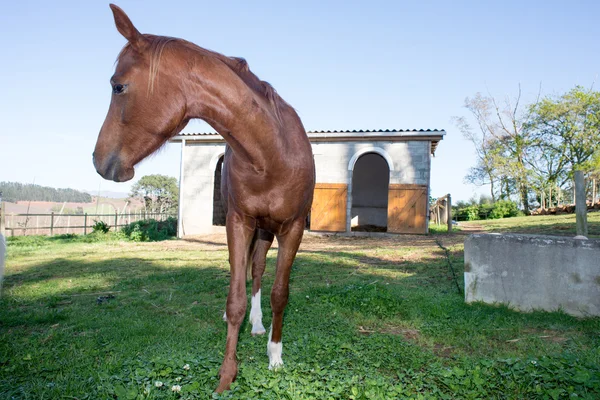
(199, 163)
(529, 272)
(410, 160)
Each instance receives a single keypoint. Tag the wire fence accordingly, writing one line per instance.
(58, 224)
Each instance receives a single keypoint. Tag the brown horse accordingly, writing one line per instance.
(160, 83)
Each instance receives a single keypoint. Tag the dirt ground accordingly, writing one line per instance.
(314, 241)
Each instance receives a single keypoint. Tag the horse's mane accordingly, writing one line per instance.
(236, 64)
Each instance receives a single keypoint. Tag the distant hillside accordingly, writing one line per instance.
(15, 191)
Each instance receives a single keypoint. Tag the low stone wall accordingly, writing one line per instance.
(530, 272)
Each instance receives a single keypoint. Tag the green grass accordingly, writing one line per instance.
(367, 319)
(563, 225)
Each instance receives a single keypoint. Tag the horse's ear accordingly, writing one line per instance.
(126, 28)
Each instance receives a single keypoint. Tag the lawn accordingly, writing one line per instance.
(563, 225)
(368, 318)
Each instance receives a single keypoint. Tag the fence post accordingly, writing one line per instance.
(580, 204)
(116, 219)
(52, 223)
(85, 224)
(449, 212)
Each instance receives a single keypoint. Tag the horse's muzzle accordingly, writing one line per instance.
(112, 168)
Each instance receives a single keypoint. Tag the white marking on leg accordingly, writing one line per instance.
(274, 351)
(225, 316)
(256, 316)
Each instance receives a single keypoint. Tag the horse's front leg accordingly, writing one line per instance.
(288, 246)
(264, 241)
(240, 231)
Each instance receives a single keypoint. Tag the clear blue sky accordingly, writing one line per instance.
(341, 64)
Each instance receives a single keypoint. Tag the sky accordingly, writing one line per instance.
(340, 64)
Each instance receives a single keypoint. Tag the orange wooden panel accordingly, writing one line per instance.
(407, 208)
(328, 211)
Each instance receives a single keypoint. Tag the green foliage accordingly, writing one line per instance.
(159, 193)
(15, 191)
(569, 125)
(504, 209)
(467, 213)
(522, 154)
(485, 210)
(151, 230)
(100, 227)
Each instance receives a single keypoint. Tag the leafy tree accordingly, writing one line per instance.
(502, 143)
(159, 193)
(569, 126)
(569, 130)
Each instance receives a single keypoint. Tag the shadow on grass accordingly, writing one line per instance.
(424, 288)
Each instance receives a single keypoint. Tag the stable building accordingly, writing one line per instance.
(372, 180)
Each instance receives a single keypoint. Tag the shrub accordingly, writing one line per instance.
(100, 227)
(151, 230)
(503, 209)
(468, 213)
(485, 210)
(499, 209)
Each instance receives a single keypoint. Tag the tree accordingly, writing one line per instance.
(569, 129)
(159, 193)
(502, 143)
(569, 126)
(485, 171)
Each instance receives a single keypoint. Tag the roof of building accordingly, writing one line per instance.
(433, 135)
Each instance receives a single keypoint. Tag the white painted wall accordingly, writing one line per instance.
(200, 161)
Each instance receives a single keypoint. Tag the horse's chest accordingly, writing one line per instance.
(275, 203)
(268, 200)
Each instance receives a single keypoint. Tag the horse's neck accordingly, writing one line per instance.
(245, 121)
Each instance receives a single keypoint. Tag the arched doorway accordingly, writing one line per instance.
(218, 209)
(370, 184)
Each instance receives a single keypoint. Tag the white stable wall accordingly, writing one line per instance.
(334, 161)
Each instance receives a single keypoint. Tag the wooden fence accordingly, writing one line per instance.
(56, 223)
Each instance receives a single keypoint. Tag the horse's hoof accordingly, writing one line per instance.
(222, 387)
(224, 384)
(258, 329)
(274, 351)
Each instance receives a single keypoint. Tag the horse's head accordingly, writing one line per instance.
(147, 105)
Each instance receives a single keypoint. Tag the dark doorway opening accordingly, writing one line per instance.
(370, 185)
(218, 209)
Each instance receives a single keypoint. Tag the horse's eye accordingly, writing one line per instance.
(119, 88)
